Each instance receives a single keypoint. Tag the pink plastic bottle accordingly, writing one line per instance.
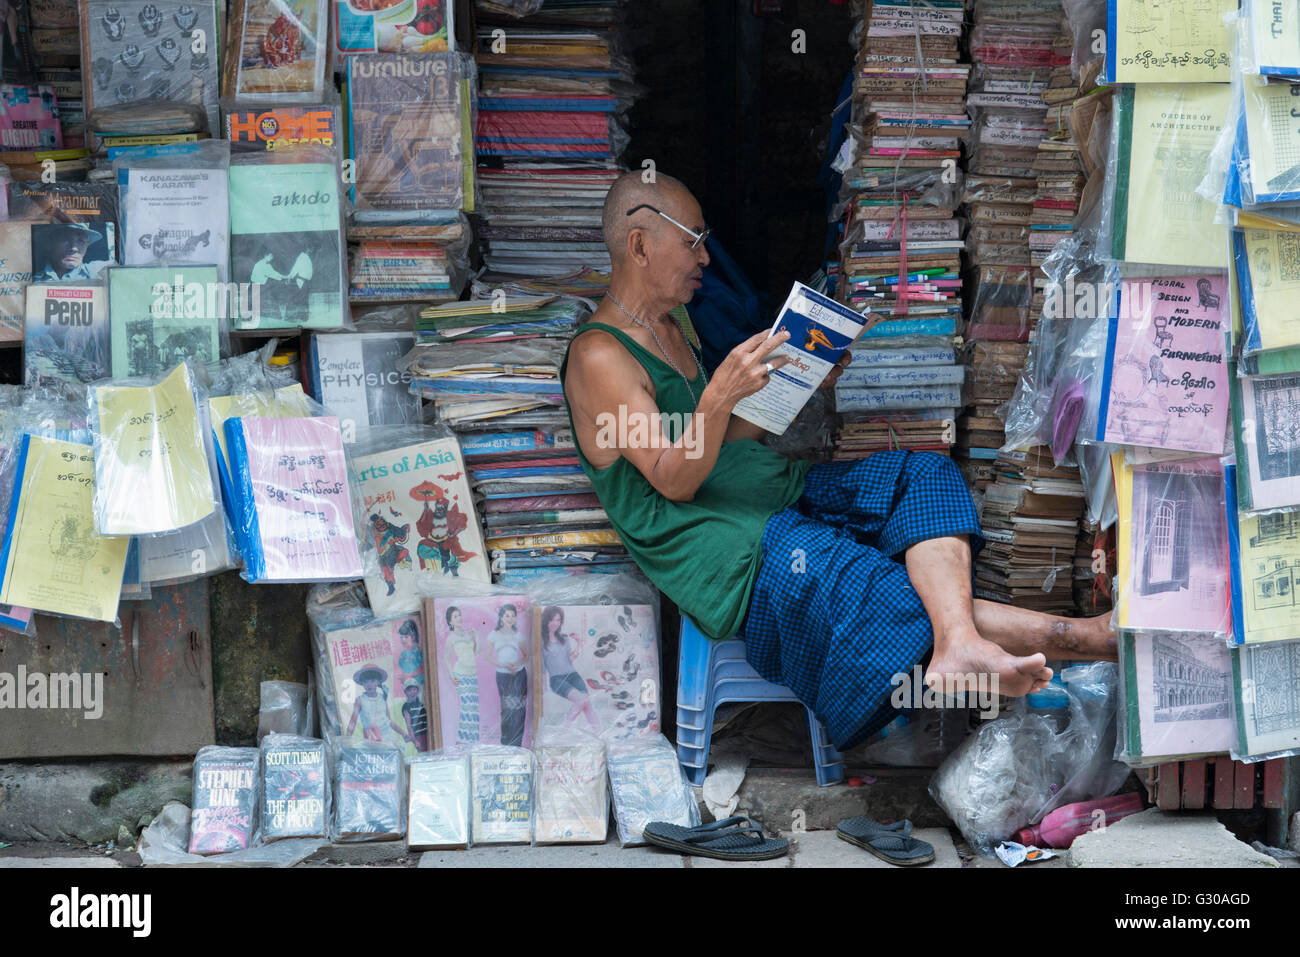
(1062, 826)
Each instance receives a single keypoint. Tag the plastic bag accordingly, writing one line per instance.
(439, 801)
(1264, 679)
(481, 640)
(1175, 697)
(175, 205)
(1018, 767)
(152, 473)
(373, 676)
(596, 663)
(284, 709)
(156, 50)
(295, 787)
(1161, 141)
(369, 795)
(647, 783)
(502, 789)
(287, 58)
(51, 529)
(421, 523)
(572, 793)
(224, 811)
(397, 99)
(296, 515)
(163, 844)
(1165, 379)
(373, 28)
(286, 238)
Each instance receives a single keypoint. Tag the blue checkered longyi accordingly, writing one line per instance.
(833, 614)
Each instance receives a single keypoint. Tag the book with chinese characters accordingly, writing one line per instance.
(379, 688)
(482, 649)
(293, 498)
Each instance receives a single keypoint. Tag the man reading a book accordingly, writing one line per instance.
(838, 576)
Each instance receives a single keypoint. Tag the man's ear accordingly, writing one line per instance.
(636, 246)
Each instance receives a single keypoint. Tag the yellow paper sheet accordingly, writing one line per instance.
(1174, 129)
(151, 470)
(289, 402)
(55, 560)
(1270, 570)
(1274, 260)
(1123, 530)
(1172, 41)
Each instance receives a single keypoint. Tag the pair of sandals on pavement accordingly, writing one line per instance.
(740, 838)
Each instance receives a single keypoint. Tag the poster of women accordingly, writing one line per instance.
(483, 651)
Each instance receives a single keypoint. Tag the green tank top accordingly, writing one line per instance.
(703, 554)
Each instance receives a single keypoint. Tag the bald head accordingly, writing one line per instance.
(628, 192)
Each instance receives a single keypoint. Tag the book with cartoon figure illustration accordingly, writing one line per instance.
(420, 522)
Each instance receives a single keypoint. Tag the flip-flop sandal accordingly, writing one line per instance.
(736, 838)
(889, 842)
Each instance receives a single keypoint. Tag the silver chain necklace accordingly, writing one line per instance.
(659, 343)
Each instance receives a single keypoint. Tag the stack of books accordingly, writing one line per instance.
(1031, 523)
(901, 258)
(1012, 46)
(492, 367)
(552, 94)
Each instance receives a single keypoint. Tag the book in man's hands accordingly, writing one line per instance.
(821, 330)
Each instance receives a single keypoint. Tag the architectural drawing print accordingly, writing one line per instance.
(1191, 680)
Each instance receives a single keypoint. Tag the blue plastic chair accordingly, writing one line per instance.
(712, 673)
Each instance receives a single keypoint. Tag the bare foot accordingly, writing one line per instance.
(970, 654)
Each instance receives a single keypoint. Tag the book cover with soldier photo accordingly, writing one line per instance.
(409, 118)
(286, 242)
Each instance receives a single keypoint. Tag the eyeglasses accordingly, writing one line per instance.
(698, 237)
